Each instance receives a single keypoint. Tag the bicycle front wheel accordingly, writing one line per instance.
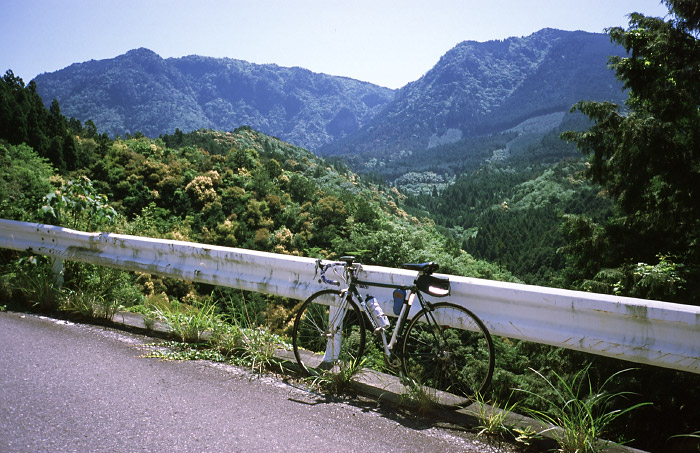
(448, 355)
(328, 333)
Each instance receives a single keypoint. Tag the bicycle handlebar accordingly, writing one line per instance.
(328, 280)
(324, 268)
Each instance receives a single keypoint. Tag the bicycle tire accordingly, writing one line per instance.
(313, 349)
(448, 365)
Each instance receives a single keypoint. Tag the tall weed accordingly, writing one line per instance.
(35, 281)
(492, 420)
(259, 347)
(88, 304)
(187, 322)
(579, 413)
(339, 379)
(256, 344)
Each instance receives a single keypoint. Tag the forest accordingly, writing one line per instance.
(611, 207)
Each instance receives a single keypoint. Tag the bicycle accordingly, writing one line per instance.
(446, 350)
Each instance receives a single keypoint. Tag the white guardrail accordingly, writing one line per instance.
(643, 331)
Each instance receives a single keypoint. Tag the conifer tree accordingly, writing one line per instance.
(646, 154)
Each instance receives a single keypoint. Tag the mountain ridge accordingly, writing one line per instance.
(139, 91)
(483, 88)
(476, 88)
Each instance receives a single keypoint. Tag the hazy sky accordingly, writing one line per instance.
(386, 42)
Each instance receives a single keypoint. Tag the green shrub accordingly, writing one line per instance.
(36, 283)
(187, 322)
(579, 413)
(89, 304)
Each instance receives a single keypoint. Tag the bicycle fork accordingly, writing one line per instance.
(336, 314)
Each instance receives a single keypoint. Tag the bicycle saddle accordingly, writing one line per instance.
(347, 259)
(425, 268)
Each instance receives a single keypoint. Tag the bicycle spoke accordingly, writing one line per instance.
(452, 362)
(325, 335)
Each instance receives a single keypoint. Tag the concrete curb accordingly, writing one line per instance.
(387, 388)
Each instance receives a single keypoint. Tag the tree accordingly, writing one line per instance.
(25, 119)
(647, 153)
(24, 180)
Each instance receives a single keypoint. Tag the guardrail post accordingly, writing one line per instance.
(336, 315)
(57, 271)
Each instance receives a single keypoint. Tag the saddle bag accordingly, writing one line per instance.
(435, 286)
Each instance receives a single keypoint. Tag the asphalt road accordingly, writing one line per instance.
(73, 387)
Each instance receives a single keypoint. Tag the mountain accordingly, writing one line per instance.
(483, 88)
(142, 92)
(475, 89)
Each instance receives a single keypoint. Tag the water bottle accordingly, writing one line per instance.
(376, 311)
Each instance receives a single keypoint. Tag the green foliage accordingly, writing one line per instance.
(35, 283)
(77, 205)
(234, 339)
(493, 419)
(420, 396)
(661, 281)
(188, 322)
(259, 346)
(646, 156)
(24, 180)
(579, 412)
(25, 119)
(240, 335)
(89, 304)
(110, 289)
(338, 380)
(512, 215)
(175, 350)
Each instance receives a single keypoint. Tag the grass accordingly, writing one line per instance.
(37, 284)
(147, 314)
(88, 305)
(259, 346)
(692, 443)
(492, 420)
(337, 380)
(188, 323)
(494, 424)
(419, 395)
(252, 348)
(578, 413)
(175, 350)
(236, 341)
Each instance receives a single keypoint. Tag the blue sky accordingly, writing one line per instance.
(386, 42)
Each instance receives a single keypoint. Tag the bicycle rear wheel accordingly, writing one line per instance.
(328, 333)
(448, 354)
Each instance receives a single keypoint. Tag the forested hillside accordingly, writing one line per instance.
(510, 211)
(483, 88)
(142, 92)
(475, 89)
(240, 188)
